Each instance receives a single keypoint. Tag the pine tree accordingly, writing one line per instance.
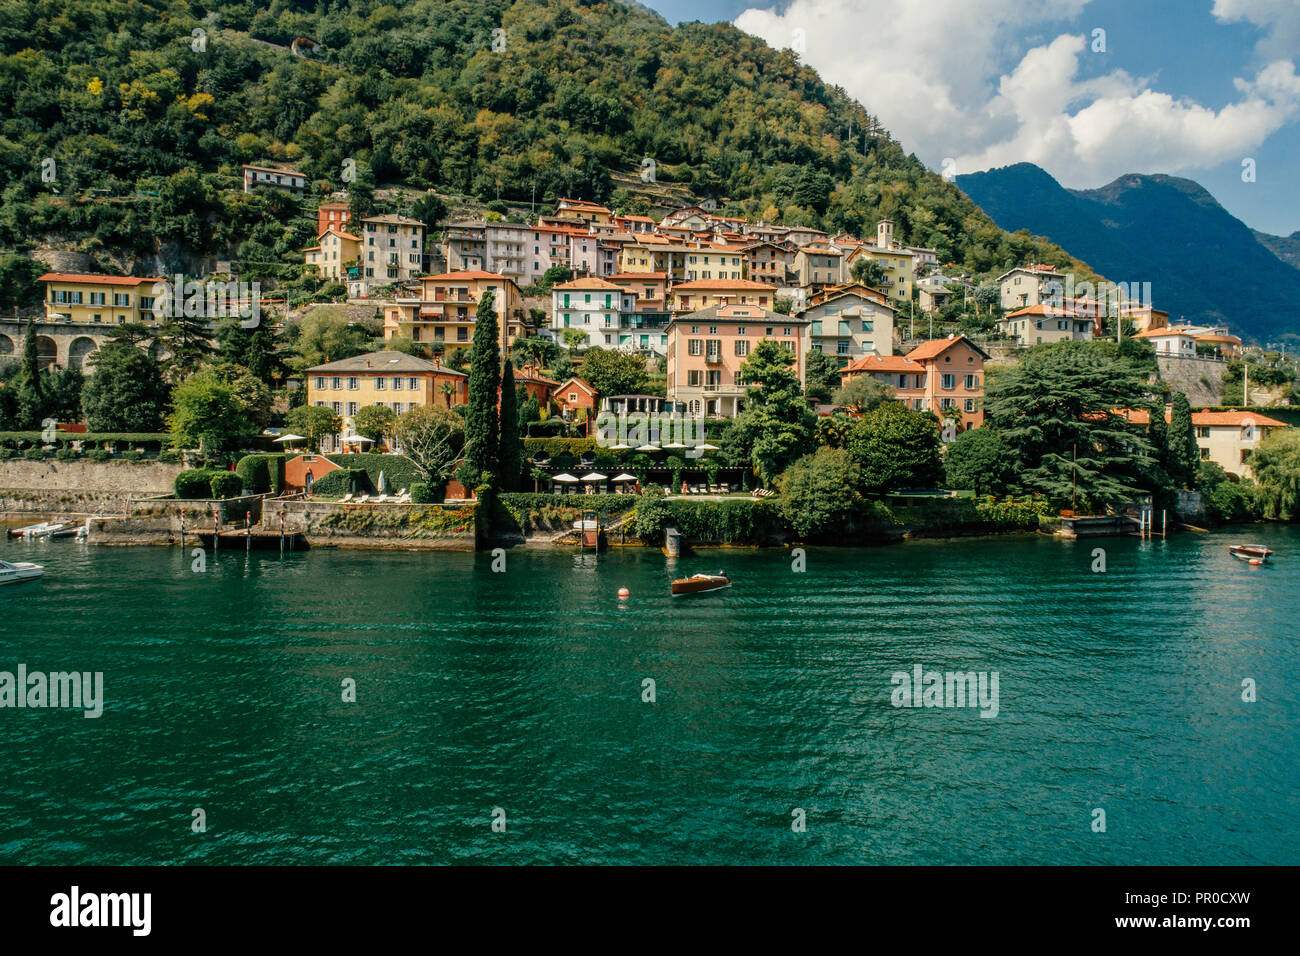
(512, 448)
(482, 441)
(1184, 453)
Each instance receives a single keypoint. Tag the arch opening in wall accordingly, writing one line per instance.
(81, 349)
(7, 346)
(47, 352)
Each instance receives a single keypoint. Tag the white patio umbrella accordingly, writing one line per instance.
(564, 476)
(707, 447)
(353, 439)
(381, 486)
(620, 447)
(623, 478)
(674, 444)
(289, 438)
(593, 476)
(648, 447)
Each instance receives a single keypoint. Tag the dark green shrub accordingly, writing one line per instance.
(194, 484)
(65, 453)
(6, 453)
(130, 455)
(555, 446)
(169, 456)
(255, 473)
(423, 493)
(340, 482)
(226, 484)
(99, 454)
(34, 454)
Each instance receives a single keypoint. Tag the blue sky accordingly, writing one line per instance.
(1187, 87)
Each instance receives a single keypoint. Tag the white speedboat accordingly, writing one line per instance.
(12, 572)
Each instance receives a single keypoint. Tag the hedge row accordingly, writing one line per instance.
(559, 446)
(136, 438)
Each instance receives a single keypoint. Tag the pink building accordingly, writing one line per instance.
(707, 348)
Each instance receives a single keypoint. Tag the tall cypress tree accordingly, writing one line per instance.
(482, 441)
(31, 390)
(1158, 435)
(512, 448)
(1184, 453)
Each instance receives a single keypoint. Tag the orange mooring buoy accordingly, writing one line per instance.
(624, 593)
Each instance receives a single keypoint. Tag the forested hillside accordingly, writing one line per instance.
(147, 108)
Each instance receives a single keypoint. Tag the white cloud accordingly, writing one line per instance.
(936, 74)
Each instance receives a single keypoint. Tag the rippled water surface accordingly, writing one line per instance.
(523, 690)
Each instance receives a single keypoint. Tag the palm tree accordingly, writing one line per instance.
(447, 389)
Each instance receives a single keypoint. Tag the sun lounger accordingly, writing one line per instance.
(382, 498)
(345, 498)
(364, 499)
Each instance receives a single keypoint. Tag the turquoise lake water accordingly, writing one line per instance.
(523, 691)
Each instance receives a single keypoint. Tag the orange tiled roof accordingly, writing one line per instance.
(467, 274)
(935, 347)
(703, 284)
(884, 363)
(1207, 418)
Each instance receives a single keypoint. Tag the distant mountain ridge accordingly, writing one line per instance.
(1204, 264)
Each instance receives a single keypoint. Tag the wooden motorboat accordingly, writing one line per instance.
(1251, 552)
(701, 584)
(12, 572)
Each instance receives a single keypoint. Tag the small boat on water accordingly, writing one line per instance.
(1254, 553)
(35, 530)
(12, 572)
(701, 584)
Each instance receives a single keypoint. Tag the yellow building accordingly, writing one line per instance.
(897, 265)
(443, 315)
(337, 248)
(392, 379)
(100, 300)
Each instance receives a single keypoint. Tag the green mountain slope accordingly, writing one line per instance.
(1204, 265)
(148, 107)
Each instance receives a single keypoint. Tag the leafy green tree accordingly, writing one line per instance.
(18, 286)
(1276, 466)
(896, 447)
(534, 351)
(1057, 412)
(313, 422)
(979, 460)
(777, 428)
(326, 335)
(611, 372)
(821, 376)
(432, 437)
(554, 276)
(482, 439)
(573, 338)
(374, 422)
(862, 393)
(208, 414)
(1184, 457)
(530, 410)
(868, 272)
(125, 391)
(63, 394)
(819, 492)
(512, 448)
(188, 345)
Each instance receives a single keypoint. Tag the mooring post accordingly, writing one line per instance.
(282, 530)
(216, 530)
(182, 529)
(248, 531)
